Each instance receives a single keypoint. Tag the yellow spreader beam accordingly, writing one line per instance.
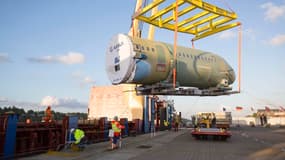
(202, 19)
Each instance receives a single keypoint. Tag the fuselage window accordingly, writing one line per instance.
(117, 67)
(137, 47)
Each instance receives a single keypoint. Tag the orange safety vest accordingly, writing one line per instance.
(116, 127)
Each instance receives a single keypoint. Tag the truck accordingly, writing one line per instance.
(210, 124)
(223, 119)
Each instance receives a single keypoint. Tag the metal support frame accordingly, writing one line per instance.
(167, 89)
(204, 19)
(170, 112)
(152, 109)
(146, 115)
(196, 17)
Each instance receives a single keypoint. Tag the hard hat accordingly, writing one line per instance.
(72, 130)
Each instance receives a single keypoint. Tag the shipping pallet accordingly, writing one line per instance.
(167, 89)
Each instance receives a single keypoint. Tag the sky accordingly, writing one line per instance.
(53, 52)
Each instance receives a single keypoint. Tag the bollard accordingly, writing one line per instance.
(124, 122)
(10, 138)
(103, 127)
(72, 123)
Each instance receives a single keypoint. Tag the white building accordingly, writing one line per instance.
(117, 100)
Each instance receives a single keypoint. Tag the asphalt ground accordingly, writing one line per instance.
(246, 143)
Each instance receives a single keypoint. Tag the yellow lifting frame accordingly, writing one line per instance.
(207, 20)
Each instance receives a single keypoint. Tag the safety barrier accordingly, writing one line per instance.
(38, 137)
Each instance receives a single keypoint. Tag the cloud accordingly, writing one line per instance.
(71, 103)
(57, 104)
(49, 101)
(230, 34)
(69, 58)
(227, 34)
(72, 58)
(4, 58)
(45, 59)
(277, 40)
(77, 74)
(272, 11)
(83, 80)
(88, 80)
(5, 102)
(3, 99)
(62, 102)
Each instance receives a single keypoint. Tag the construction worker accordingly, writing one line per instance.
(176, 123)
(165, 123)
(214, 120)
(28, 121)
(78, 136)
(48, 114)
(116, 127)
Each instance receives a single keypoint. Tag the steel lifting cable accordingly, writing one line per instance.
(140, 23)
(262, 100)
(239, 56)
(239, 46)
(133, 19)
(175, 43)
(226, 4)
(132, 24)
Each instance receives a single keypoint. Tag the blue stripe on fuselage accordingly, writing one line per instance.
(142, 70)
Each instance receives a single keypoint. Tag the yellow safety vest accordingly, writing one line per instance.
(78, 135)
(165, 123)
(115, 127)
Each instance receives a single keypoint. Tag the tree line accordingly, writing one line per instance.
(38, 115)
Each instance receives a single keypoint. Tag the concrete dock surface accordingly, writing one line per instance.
(246, 143)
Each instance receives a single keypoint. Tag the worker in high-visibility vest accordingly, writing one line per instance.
(116, 127)
(79, 137)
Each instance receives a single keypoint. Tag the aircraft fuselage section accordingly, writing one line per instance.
(140, 61)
